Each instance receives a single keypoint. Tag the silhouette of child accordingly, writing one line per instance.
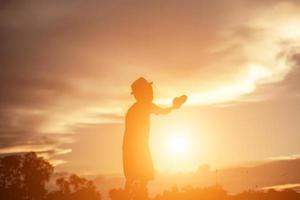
(137, 162)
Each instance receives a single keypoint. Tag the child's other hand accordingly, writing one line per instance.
(178, 101)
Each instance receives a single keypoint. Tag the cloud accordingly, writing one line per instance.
(64, 65)
(263, 48)
(289, 157)
(294, 186)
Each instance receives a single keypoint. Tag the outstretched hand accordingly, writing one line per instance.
(178, 101)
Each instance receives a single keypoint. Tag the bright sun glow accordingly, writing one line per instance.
(176, 144)
(176, 148)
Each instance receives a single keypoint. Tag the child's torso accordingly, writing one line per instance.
(137, 125)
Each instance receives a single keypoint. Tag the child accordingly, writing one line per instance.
(137, 162)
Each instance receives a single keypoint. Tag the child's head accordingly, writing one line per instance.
(142, 90)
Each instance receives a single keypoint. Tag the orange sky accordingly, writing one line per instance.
(66, 71)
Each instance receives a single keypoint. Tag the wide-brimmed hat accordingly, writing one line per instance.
(140, 84)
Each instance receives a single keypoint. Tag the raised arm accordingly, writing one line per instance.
(159, 110)
(177, 102)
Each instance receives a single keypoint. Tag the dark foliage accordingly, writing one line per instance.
(217, 193)
(74, 188)
(190, 193)
(211, 193)
(23, 177)
(137, 193)
(269, 195)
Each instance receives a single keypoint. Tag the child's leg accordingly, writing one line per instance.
(142, 190)
(144, 184)
(128, 185)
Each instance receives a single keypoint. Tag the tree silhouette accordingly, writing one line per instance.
(74, 188)
(138, 193)
(218, 193)
(23, 177)
(190, 193)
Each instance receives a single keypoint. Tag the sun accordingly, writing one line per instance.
(176, 144)
(176, 148)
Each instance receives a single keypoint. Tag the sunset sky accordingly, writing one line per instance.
(67, 67)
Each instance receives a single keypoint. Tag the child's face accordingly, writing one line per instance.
(145, 95)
